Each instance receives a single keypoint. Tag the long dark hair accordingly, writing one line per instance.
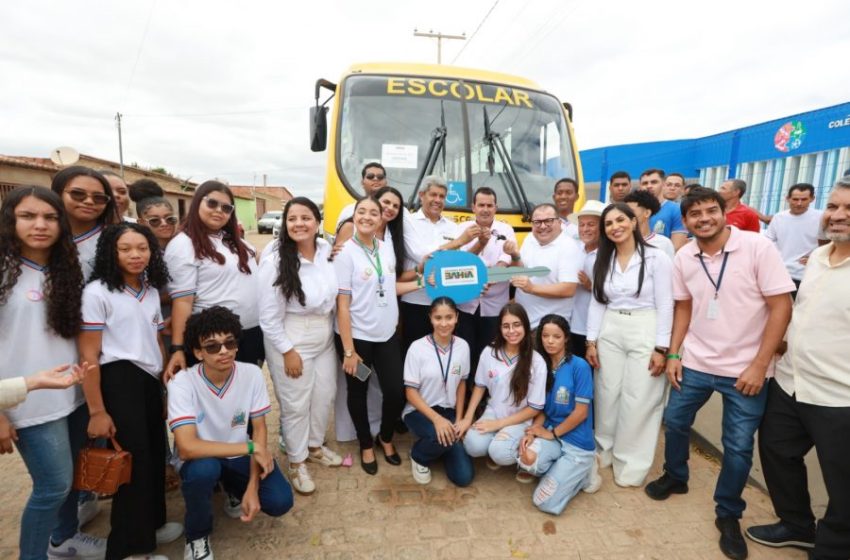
(287, 276)
(608, 250)
(522, 371)
(63, 284)
(106, 267)
(561, 323)
(396, 226)
(61, 180)
(200, 234)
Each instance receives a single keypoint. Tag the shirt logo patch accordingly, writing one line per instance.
(34, 295)
(238, 419)
(562, 396)
(456, 370)
(492, 373)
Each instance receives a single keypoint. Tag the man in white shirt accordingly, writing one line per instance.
(808, 402)
(373, 176)
(565, 197)
(587, 220)
(796, 231)
(546, 246)
(619, 186)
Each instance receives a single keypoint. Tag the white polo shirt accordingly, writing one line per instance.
(357, 276)
(661, 242)
(563, 257)
(569, 229)
(28, 345)
(581, 303)
(423, 371)
(795, 237)
(421, 237)
(130, 322)
(318, 281)
(492, 254)
(87, 248)
(344, 214)
(495, 372)
(219, 414)
(211, 283)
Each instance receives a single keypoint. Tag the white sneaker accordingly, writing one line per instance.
(421, 473)
(169, 532)
(232, 506)
(81, 546)
(146, 557)
(87, 510)
(594, 481)
(301, 480)
(325, 456)
(492, 465)
(525, 477)
(198, 549)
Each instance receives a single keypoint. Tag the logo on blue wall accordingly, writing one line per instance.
(457, 194)
(789, 136)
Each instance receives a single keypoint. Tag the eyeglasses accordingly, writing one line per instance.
(373, 176)
(543, 222)
(215, 347)
(79, 195)
(156, 222)
(213, 204)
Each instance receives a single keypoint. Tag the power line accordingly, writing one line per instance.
(139, 51)
(217, 114)
(471, 37)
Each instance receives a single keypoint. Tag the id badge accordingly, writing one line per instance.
(713, 309)
(382, 298)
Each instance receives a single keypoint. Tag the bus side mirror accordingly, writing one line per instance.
(569, 108)
(318, 128)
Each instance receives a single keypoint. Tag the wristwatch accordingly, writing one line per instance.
(348, 353)
(661, 350)
(175, 347)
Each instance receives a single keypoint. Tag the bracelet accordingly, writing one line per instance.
(674, 357)
(176, 347)
(552, 429)
(418, 279)
(661, 350)
(516, 258)
(250, 447)
(589, 343)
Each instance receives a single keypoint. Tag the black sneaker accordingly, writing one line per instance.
(732, 543)
(781, 534)
(662, 488)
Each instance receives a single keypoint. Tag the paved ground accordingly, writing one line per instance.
(388, 516)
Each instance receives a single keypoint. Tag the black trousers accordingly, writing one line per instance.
(415, 323)
(386, 362)
(133, 398)
(577, 345)
(479, 332)
(788, 431)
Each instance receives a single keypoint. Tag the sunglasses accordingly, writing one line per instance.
(373, 176)
(213, 204)
(156, 222)
(215, 347)
(544, 221)
(79, 195)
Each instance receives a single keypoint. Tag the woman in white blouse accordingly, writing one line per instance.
(628, 334)
(297, 292)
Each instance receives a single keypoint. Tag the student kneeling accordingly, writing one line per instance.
(209, 405)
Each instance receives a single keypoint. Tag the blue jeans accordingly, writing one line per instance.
(49, 452)
(741, 418)
(564, 469)
(427, 449)
(501, 446)
(200, 476)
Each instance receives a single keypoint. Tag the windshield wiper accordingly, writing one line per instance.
(510, 178)
(437, 146)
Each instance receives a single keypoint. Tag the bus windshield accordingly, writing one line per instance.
(393, 120)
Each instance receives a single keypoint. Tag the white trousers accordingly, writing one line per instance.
(629, 400)
(306, 401)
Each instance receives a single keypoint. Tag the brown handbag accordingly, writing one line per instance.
(102, 470)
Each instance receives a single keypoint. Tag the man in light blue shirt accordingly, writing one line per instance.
(668, 220)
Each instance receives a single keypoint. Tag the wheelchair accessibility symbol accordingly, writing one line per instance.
(457, 193)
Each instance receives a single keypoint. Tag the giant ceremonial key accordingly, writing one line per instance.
(462, 276)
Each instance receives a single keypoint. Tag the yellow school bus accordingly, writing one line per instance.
(473, 127)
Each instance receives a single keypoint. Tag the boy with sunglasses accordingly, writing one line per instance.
(373, 176)
(209, 407)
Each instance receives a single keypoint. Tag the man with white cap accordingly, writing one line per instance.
(586, 221)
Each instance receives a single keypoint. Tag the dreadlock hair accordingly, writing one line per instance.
(561, 323)
(522, 371)
(210, 322)
(289, 265)
(106, 267)
(607, 251)
(61, 180)
(63, 283)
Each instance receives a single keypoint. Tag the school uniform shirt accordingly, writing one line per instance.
(492, 254)
(573, 384)
(436, 379)
(795, 236)
(357, 276)
(29, 345)
(668, 220)
(494, 373)
(211, 283)
(661, 242)
(318, 281)
(569, 229)
(219, 414)
(87, 248)
(130, 322)
(581, 303)
(621, 288)
(563, 257)
(421, 237)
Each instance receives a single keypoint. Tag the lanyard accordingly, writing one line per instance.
(444, 371)
(376, 264)
(719, 276)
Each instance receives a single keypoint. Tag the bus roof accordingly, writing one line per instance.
(440, 71)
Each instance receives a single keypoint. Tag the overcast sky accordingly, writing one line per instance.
(222, 89)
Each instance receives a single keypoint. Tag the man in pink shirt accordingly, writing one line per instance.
(733, 305)
(738, 214)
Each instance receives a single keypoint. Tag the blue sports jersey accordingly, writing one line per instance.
(573, 384)
(668, 220)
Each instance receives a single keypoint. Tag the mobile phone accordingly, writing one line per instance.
(363, 371)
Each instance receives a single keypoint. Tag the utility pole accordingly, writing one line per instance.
(120, 145)
(439, 37)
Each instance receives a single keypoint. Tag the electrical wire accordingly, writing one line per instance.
(139, 51)
(471, 37)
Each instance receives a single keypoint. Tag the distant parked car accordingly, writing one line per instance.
(269, 220)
